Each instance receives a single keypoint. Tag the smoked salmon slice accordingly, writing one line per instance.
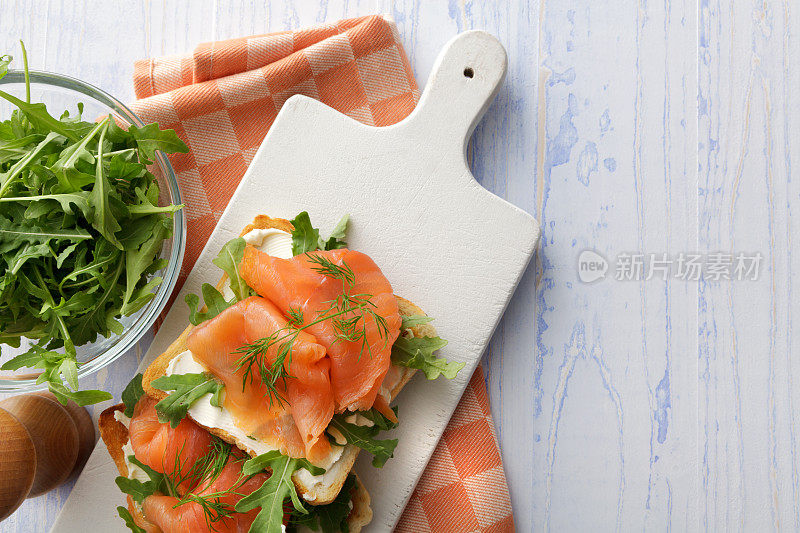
(162, 511)
(300, 284)
(293, 420)
(162, 448)
(176, 452)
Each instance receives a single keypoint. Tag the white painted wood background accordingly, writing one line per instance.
(623, 126)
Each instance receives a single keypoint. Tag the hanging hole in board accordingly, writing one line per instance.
(468, 72)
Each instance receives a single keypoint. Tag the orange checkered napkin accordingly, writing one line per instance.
(221, 100)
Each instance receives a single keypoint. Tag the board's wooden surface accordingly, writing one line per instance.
(619, 405)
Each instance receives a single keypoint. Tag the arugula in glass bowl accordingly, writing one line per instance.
(81, 232)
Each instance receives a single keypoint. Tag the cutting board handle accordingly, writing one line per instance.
(464, 80)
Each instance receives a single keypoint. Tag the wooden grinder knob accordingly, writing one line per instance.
(17, 463)
(59, 438)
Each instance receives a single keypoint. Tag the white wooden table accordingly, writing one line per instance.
(625, 127)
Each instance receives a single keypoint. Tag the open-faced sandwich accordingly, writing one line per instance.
(252, 419)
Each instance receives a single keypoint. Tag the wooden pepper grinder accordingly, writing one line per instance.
(42, 443)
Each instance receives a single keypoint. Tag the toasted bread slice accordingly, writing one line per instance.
(115, 435)
(322, 491)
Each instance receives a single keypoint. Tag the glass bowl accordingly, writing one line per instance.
(62, 93)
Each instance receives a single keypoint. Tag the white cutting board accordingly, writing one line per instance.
(443, 241)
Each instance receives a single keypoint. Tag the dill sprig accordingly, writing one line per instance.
(329, 269)
(202, 474)
(254, 358)
(214, 509)
(349, 315)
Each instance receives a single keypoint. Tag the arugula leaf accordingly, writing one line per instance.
(55, 367)
(147, 198)
(94, 319)
(271, 495)
(79, 199)
(126, 516)
(305, 237)
(64, 254)
(139, 490)
(409, 321)
(150, 138)
(417, 352)
(135, 488)
(103, 219)
(10, 178)
(158, 479)
(216, 398)
(15, 234)
(27, 359)
(214, 301)
(136, 232)
(4, 62)
(380, 421)
(67, 164)
(332, 517)
(228, 260)
(137, 261)
(81, 397)
(336, 239)
(40, 119)
(364, 438)
(14, 149)
(28, 251)
(132, 393)
(256, 464)
(188, 388)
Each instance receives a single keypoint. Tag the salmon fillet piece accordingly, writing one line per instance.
(357, 367)
(293, 420)
(163, 448)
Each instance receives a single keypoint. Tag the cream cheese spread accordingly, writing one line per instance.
(134, 472)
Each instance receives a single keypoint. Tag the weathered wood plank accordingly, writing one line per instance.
(748, 141)
(614, 409)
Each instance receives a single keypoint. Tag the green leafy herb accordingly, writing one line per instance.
(215, 303)
(57, 368)
(417, 352)
(132, 393)
(81, 397)
(265, 460)
(380, 421)
(188, 388)
(126, 516)
(151, 138)
(136, 489)
(271, 495)
(228, 260)
(409, 321)
(364, 438)
(336, 239)
(305, 237)
(4, 62)
(81, 229)
(329, 518)
(139, 490)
